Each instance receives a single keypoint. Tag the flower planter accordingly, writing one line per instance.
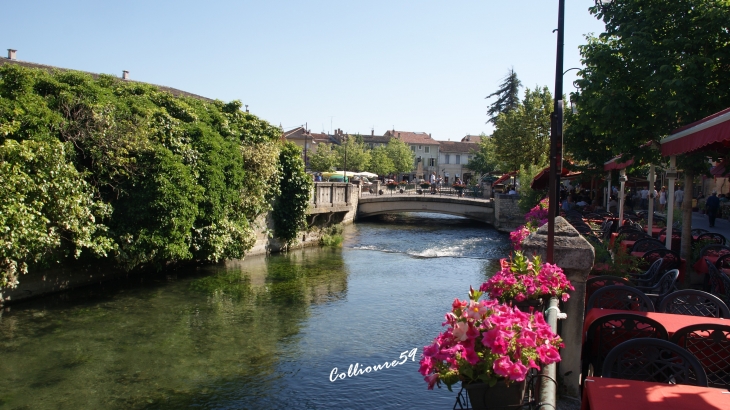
(500, 396)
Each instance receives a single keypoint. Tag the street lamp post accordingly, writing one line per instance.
(556, 130)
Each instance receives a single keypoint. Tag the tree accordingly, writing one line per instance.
(358, 156)
(484, 160)
(508, 96)
(380, 162)
(522, 135)
(658, 66)
(324, 159)
(401, 155)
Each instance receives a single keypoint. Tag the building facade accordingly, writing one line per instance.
(453, 157)
(425, 150)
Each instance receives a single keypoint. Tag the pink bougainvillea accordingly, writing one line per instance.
(487, 340)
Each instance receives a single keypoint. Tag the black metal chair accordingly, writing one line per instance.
(597, 282)
(718, 283)
(609, 331)
(628, 228)
(649, 277)
(714, 250)
(694, 303)
(620, 297)
(670, 259)
(633, 235)
(710, 344)
(723, 262)
(654, 360)
(666, 285)
(646, 245)
(698, 231)
(711, 236)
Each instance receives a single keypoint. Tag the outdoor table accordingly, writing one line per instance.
(602, 393)
(654, 231)
(701, 266)
(670, 321)
(676, 241)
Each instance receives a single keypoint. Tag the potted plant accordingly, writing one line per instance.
(489, 347)
(392, 185)
(459, 188)
(527, 282)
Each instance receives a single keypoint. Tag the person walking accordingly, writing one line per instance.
(644, 198)
(678, 197)
(712, 205)
(662, 199)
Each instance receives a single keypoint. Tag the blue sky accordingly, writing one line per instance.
(350, 64)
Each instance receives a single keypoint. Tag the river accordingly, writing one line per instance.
(261, 333)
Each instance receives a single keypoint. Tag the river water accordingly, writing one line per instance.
(262, 333)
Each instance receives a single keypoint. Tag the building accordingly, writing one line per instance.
(373, 141)
(453, 157)
(425, 149)
(474, 139)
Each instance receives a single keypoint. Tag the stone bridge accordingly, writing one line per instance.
(345, 203)
(481, 210)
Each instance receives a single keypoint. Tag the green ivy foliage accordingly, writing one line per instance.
(296, 187)
(128, 172)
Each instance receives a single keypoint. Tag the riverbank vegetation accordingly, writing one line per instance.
(97, 168)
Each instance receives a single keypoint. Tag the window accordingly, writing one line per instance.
(446, 158)
(458, 159)
(428, 150)
(371, 146)
(413, 148)
(432, 162)
(420, 147)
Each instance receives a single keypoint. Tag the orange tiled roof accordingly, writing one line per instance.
(412, 137)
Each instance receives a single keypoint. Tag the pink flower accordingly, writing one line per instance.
(460, 330)
(518, 372)
(430, 350)
(527, 338)
(426, 365)
(503, 366)
(431, 380)
(548, 354)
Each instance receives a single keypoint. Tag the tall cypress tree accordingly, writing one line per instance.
(508, 96)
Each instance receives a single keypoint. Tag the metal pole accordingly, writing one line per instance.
(671, 177)
(556, 137)
(548, 374)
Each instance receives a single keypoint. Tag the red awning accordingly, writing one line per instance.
(504, 178)
(707, 133)
(542, 179)
(614, 164)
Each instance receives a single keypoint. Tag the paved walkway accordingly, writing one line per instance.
(722, 226)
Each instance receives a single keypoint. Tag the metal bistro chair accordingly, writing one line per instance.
(694, 303)
(698, 231)
(710, 344)
(646, 245)
(654, 360)
(611, 330)
(711, 236)
(718, 282)
(665, 286)
(620, 297)
(650, 277)
(607, 231)
(597, 282)
(670, 259)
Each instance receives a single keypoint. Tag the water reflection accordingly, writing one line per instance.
(258, 333)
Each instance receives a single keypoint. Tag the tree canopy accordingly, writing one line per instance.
(124, 171)
(508, 96)
(522, 135)
(658, 65)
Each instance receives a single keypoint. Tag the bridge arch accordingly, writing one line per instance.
(476, 209)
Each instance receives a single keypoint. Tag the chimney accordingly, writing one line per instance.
(372, 132)
(125, 75)
(399, 135)
(246, 107)
(11, 54)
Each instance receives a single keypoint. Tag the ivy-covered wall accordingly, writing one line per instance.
(101, 169)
